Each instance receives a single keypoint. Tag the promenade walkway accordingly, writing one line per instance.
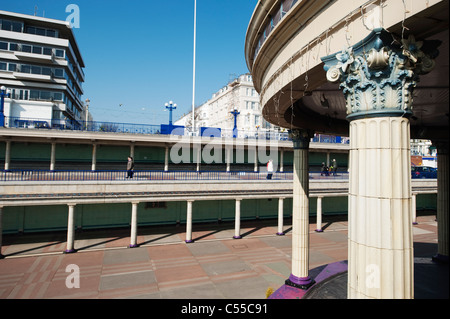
(215, 266)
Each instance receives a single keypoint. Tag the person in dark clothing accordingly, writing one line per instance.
(130, 167)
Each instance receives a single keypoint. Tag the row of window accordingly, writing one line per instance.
(275, 18)
(36, 49)
(31, 69)
(16, 26)
(36, 95)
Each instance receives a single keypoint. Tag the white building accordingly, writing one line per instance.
(238, 95)
(42, 67)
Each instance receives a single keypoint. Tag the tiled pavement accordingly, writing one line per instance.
(215, 266)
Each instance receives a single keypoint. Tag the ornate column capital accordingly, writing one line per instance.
(301, 138)
(378, 75)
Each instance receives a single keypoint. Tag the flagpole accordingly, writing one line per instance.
(193, 80)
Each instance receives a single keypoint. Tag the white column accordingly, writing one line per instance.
(8, 155)
(132, 147)
(319, 215)
(189, 222)
(94, 157)
(166, 160)
(1, 231)
(237, 220)
(53, 157)
(414, 209)
(300, 212)
(380, 249)
(71, 230)
(228, 154)
(256, 160)
(133, 237)
(442, 203)
(280, 216)
(199, 157)
(282, 160)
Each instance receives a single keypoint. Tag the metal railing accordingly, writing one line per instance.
(121, 175)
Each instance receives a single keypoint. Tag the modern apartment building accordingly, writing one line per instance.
(42, 68)
(240, 95)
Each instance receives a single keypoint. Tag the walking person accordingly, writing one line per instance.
(130, 167)
(269, 169)
(334, 166)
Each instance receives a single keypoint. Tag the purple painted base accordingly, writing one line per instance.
(71, 251)
(237, 237)
(133, 246)
(188, 241)
(281, 234)
(319, 230)
(323, 273)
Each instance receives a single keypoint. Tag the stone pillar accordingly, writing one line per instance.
(1, 231)
(8, 155)
(378, 77)
(132, 148)
(166, 160)
(94, 157)
(442, 202)
(71, 230)
(53, 157)
(299, 277)
(280, 216)
(189, 222)
(237, 220)
(133, 237)
(319, 215)
(281, 160)
(199, 157)
(414, 208)
(255, 169)
(228, 156)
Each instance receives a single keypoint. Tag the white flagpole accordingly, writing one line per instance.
(193, 81)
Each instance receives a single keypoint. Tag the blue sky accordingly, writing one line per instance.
(140, 53)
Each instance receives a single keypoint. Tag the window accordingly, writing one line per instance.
(26, 48)
(59, 53)
(37, 50)
(2, 66)
(48, 51)
(59, 73)
(51, 33)
(58, 96)
(34, 95)
(25, 68)
(17, 26)
(40, 31)
(45, 95)
(3, 45)
(13, 47)
(46, 71)
(12, 67)
(36, 70)
(6, 25)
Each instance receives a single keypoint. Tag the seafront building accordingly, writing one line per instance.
(41, 67)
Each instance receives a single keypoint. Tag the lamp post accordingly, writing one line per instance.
(170, 106)
(87, 102)
(235, 113)
(3, 93)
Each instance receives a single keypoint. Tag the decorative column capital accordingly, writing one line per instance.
(378, 75)
(301, 138)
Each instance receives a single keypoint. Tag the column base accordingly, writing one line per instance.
(237, 237)
(300, 283)
(319, 230)
(281, 234)
(70, 251)
(133, 246)
(440, 259)
(189, 241)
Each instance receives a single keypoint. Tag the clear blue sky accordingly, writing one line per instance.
(139, 53)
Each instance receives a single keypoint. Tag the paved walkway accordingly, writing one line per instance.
(215, 266)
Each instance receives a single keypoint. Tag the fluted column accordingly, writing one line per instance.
(442, 202)
(300, 212)
(377, 77)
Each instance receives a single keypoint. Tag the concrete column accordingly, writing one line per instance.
(133, 237)
(166, 160)
(256, 160)
(378, 86)
(199, 157)
(280, 216)
(71, 230)
(53, 157)
(1, 231)
(94, 157)
(8, 155)
(414, 209)
(282, 160)
(228, 155)
(319, 215)
(442, 202)
(132, 147)
(299, 277)
(189, 222)
(237, 220)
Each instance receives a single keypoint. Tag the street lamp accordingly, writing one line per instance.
(235, 113)
(87, 102)
(170, 106)
(3, 93)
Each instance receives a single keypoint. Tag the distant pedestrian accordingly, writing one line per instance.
(323, 170)
(334, 166)
(269, 169)
(130, 167)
